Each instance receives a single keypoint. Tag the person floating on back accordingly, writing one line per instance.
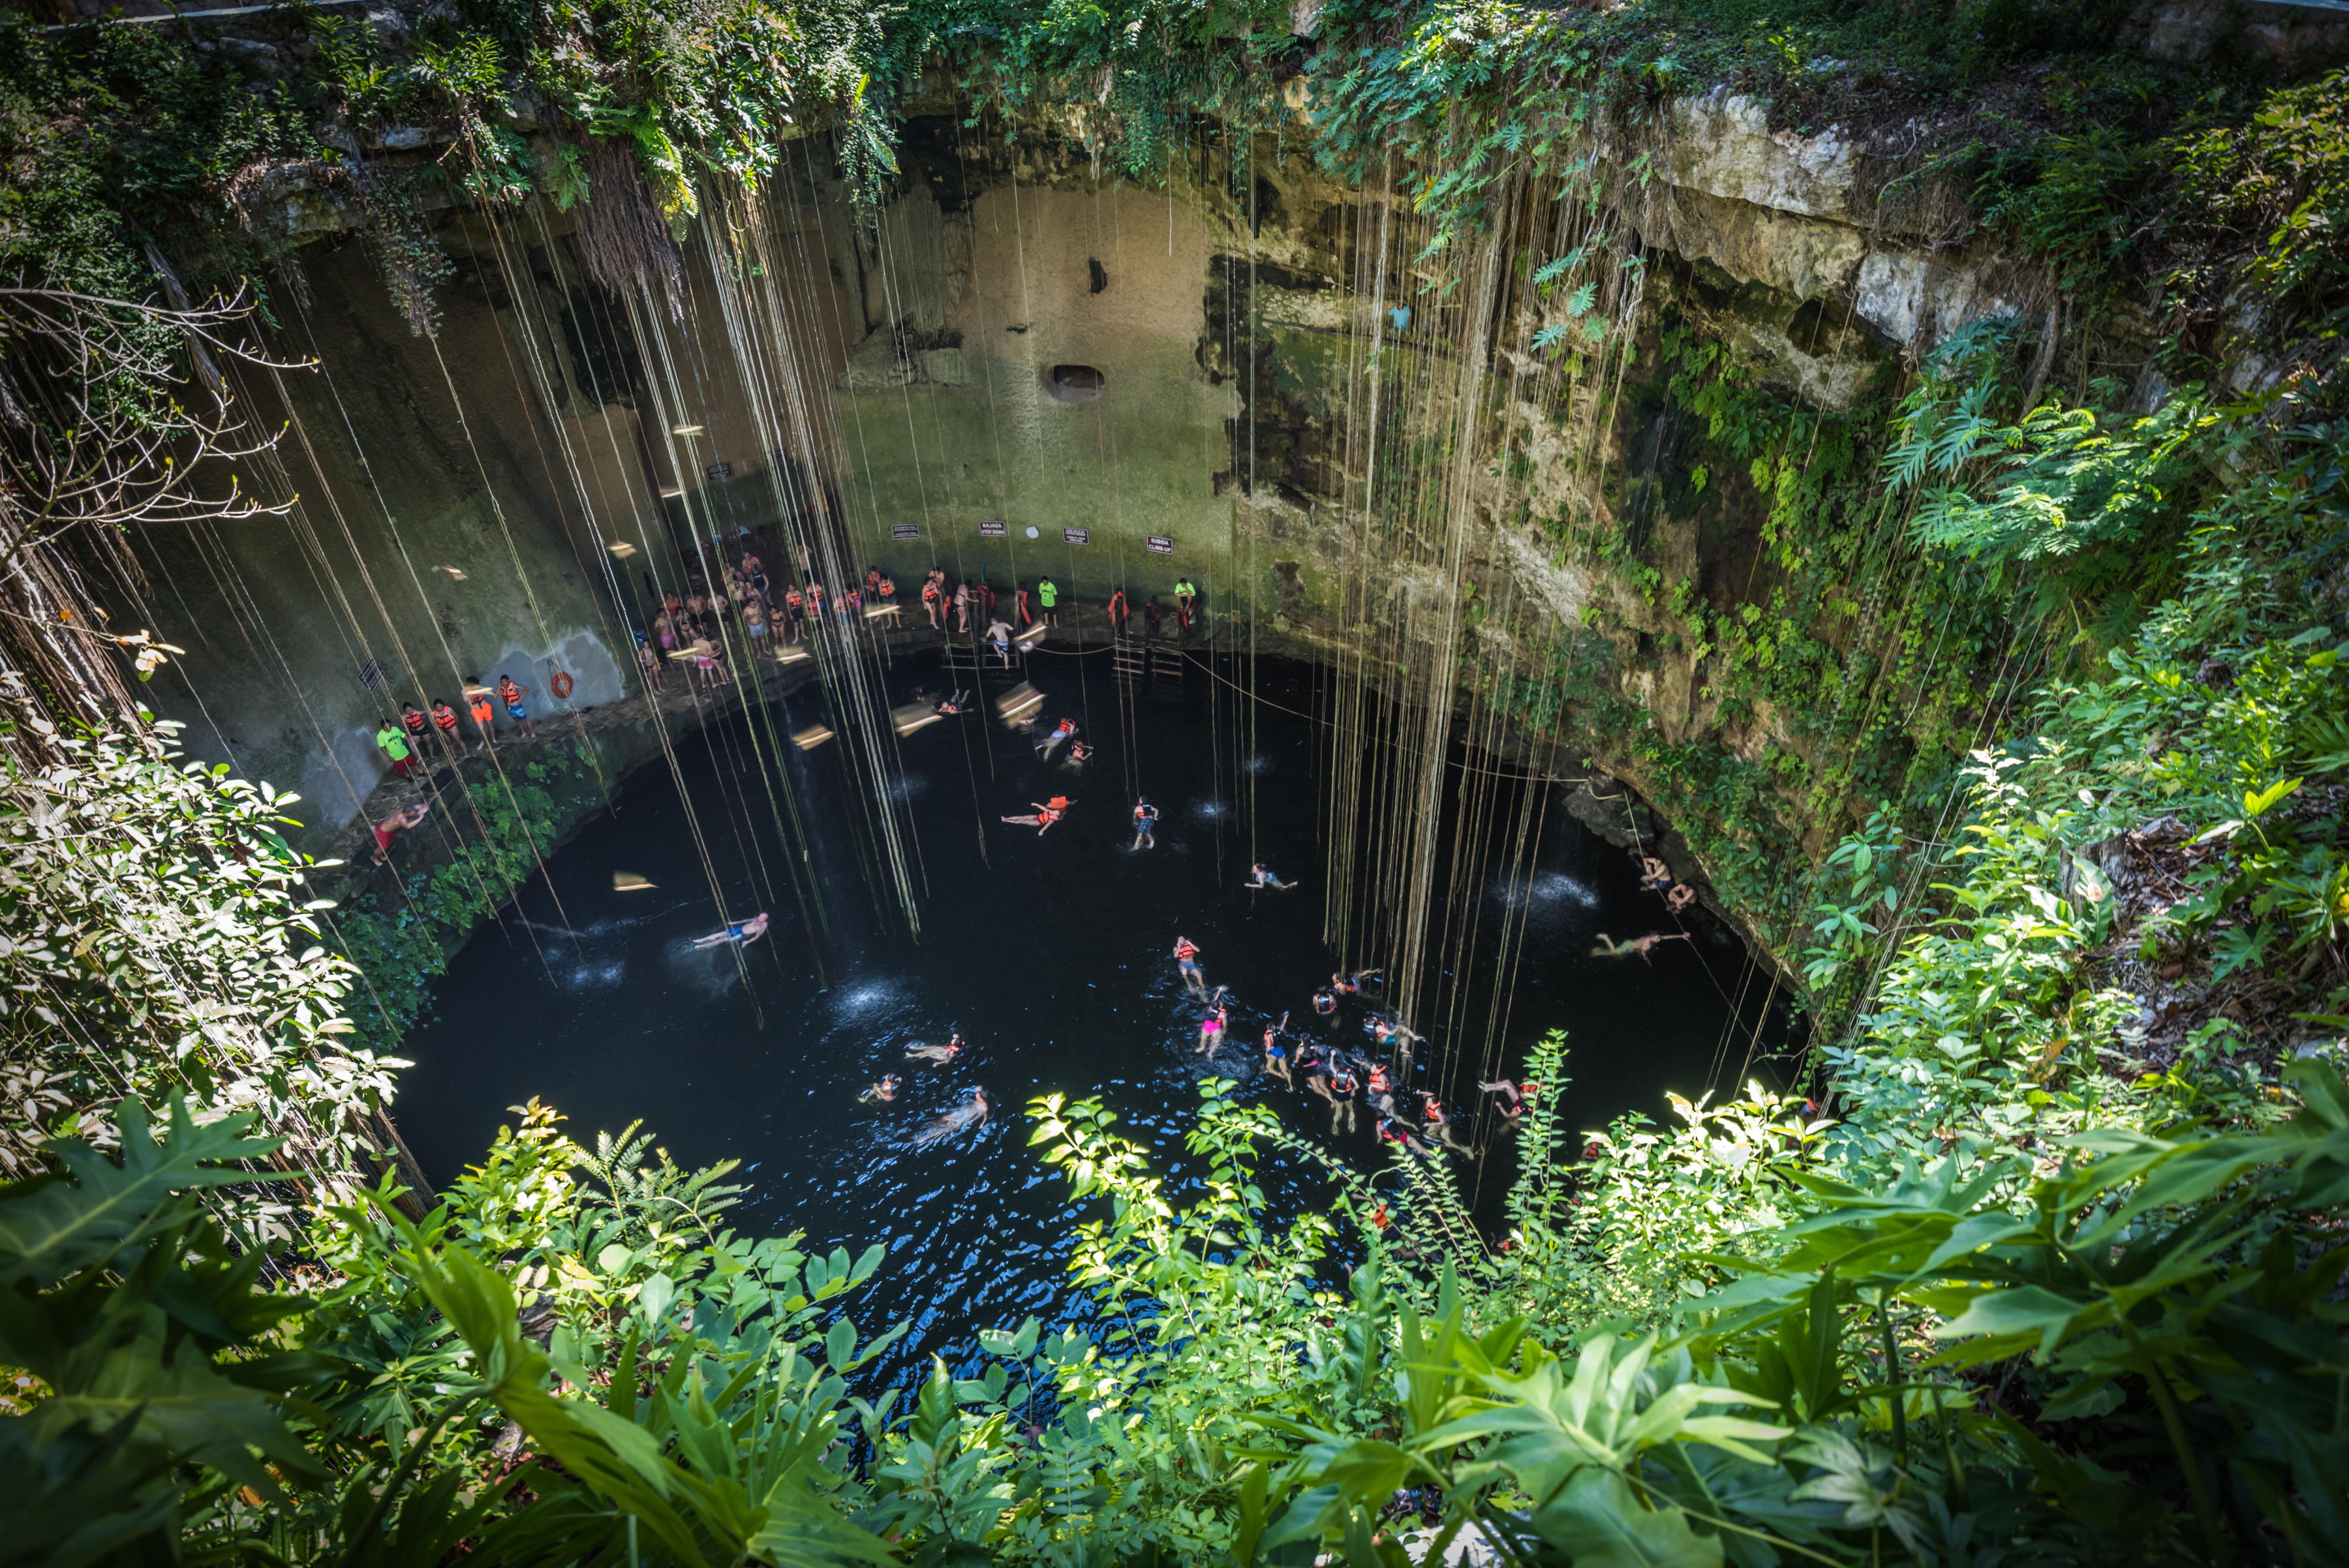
(939, 1053)
(1643, 946)
(883, 1092)
(742, 933)
(1186, 963)
(1065, 730)
(960, 1119)
(1045, 814)
(1260, 877)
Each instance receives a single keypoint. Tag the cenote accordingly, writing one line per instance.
(1051, 954)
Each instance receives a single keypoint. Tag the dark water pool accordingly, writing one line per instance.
(1051, 954)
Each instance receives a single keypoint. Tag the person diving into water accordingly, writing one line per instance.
(945, 1053)
(1609, 948)
(954, 1122)
(743, 932)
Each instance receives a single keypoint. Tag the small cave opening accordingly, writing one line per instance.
(1074, 384)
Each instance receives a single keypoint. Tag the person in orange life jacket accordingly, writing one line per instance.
(929, 601)
(1064, 729)
(485, 722)
(1079, 755)
(1513, 1104)
(1186, 962)
(444, 718)
(794, 612)
(1439, 1123)
(1343, 1090)
(511, 694)
(881, 1093)
(1381, 1090)
(414, 724)
(1046, 815)
(1276, 1059)
(1145, 824)
(1389, 1033)
(1117, 612)
(815, 606)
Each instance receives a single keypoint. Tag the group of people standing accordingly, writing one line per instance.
(974, 602)
(406, 738)
(693, 625)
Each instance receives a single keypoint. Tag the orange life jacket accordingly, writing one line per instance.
(1185, 950)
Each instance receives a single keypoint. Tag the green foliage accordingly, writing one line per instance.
(158, 940)
(399, 948)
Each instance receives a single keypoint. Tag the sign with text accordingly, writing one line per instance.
(992, 530)
(1076, 535)
(905, 530)
(1159, 544)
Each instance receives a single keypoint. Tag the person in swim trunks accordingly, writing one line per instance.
(485, 720)
(1145, 825)
(444, 718)
(394, 746)
(1046, 815)
(398, 821)
(511, 694)
(742, 932)
(1276, 1059)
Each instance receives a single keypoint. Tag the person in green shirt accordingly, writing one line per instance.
(1048, 595)
(394, 746)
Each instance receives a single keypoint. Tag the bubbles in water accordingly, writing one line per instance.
(1258, 764)
(594, 976)
(910, 788)
(869, 996)
(1208, 810)
(1546, 890)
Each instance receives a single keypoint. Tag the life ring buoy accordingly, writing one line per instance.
(561, 684)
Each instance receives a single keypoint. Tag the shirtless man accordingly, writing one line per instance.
(406, 817)
(741, 932)
(1642, 946)
(1654, 875)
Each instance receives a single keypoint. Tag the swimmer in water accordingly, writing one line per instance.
(1079, 755)
(1186, 961)
(1260, 877)
(945, 1053)
(1439, 1125)
(1045, 816)
(742, 932)
(954, 1122)
(882, 1093)
(1325, 1002)
(1642, 946)
(1343, 1089)
(1276, 1059)
(958, 703)
(1212, 1027)
(1351, 985)
(1512, 1098)
(1390, 1032)
(1066, 729)
(1145, 825)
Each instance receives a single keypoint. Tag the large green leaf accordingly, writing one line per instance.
(52, 1226)
(1599, 1522)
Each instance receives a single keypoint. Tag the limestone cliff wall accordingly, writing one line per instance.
(1019, 348)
